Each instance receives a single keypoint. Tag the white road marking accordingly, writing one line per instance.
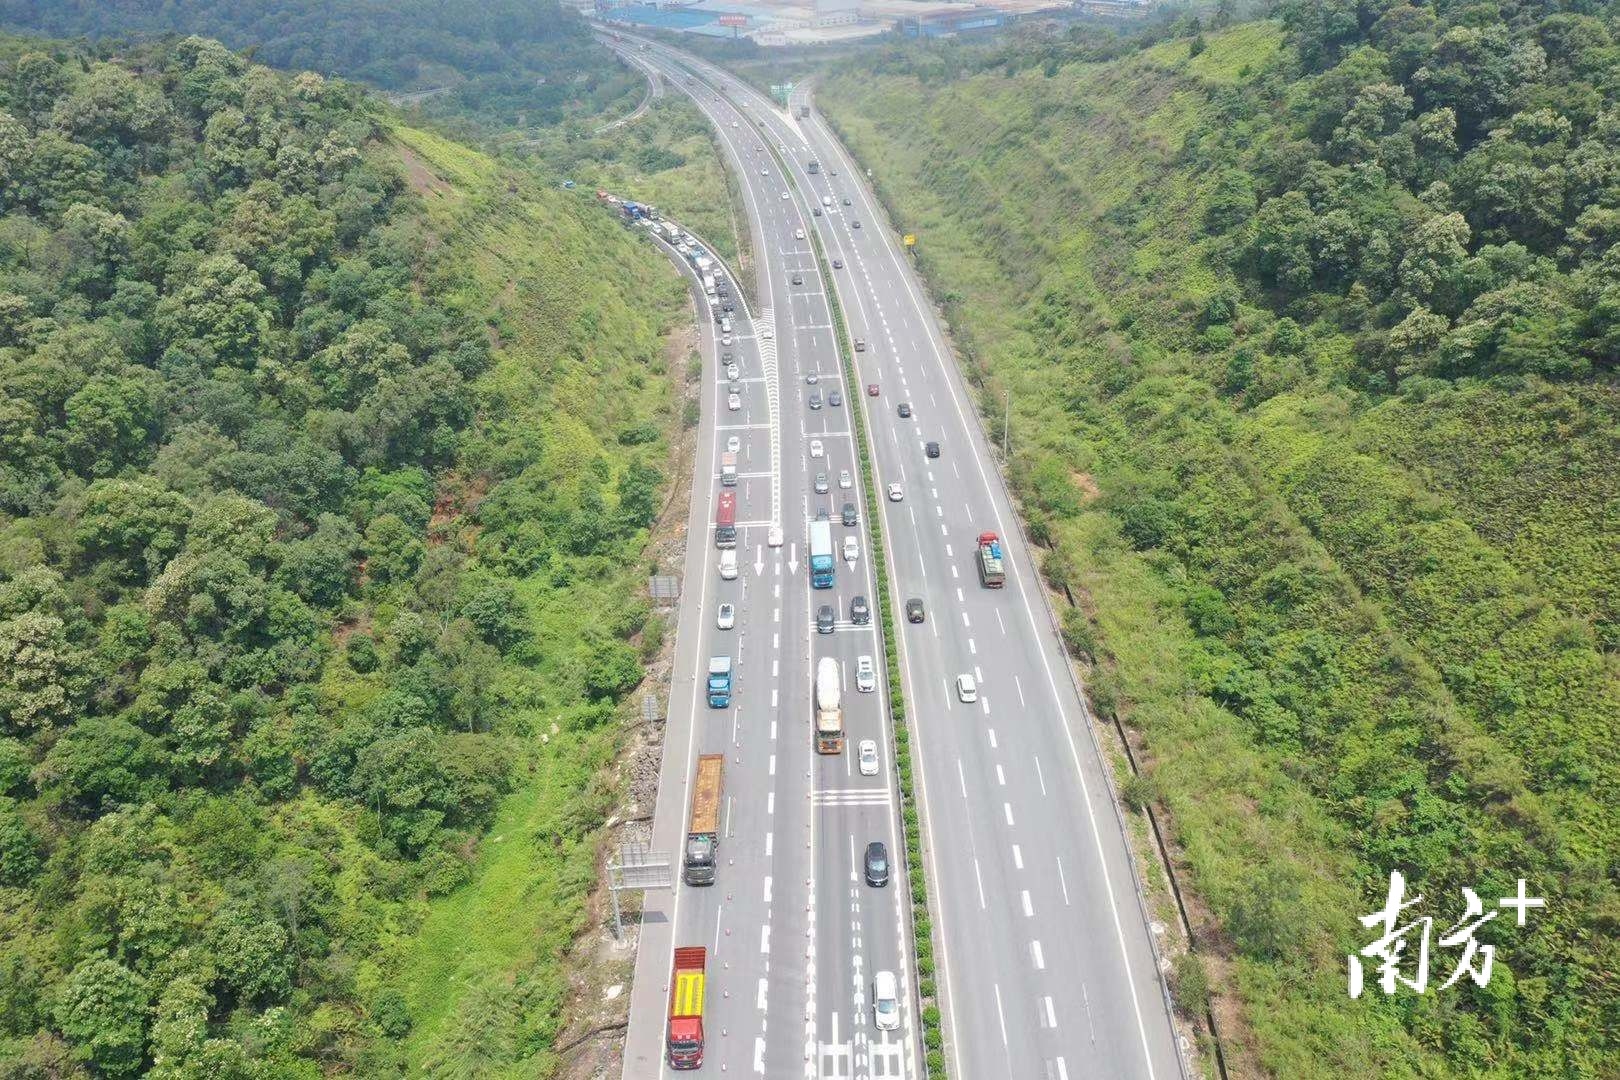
(1000, 1015)
(771, 770)
(1040, 775)
(1029, 908)
(1018, 855)
(992, 733)
(1051, 1016)
(1020, 687)
(765, 939)
(960, 779)
(1006, 808)
(1001, 777)
(980, 880)
(1035, 954)
(768, 838)
(1063, 881)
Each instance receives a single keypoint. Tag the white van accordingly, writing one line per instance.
(725, 324)
(826, 200)
(728, 564)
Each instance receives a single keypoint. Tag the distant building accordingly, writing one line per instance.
(949, 24)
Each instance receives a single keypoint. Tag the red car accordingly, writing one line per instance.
(871, 389)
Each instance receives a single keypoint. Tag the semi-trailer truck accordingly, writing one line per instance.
(703, 830)
(684, 1036)
(822, 561)
(725, 521)
(829, 707)
(992, 566)
(719, 682)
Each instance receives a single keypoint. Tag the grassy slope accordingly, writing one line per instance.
(1394, 569)
(578, 308)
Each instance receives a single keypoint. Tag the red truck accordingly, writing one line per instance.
(992, 567)
(685, 1036)
(725, 521)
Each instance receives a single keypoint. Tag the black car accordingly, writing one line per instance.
(834, 398)
(860, 613)
(824, 619)
(838, 264)
(798, 279)
(932, 449)
(905, 410)
(726, 358)
(914, 610)
(849, 514)
(728, 306)
(855, 224)
(877, 864)
(821, 513)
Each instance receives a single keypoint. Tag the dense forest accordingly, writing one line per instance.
(505, 62)
(302, 583)
(1311, 329)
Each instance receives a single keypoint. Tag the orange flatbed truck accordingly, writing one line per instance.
(685, 1036)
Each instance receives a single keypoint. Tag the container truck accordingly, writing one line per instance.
(725, 521)
(821, 555)
(719, 682)
(703, 831)
(829, 707)
(684, 1036)
(992, 567)
(728, 469)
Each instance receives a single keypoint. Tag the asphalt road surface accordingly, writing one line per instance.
(1046, 961)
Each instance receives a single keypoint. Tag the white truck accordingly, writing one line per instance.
(829, 707)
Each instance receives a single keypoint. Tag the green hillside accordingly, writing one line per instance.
(1311, 330)
(328, 451)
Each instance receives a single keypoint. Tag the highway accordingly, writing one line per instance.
(1046, 961)
(795, 934)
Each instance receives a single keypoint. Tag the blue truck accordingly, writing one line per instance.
(821, 555)
(719, 682)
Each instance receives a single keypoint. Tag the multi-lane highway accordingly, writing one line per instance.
(1047, 966)
(796, 935)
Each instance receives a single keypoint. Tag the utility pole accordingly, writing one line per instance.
(1006, 430)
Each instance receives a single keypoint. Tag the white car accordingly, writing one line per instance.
(869, 758)
(725, 339)
(967, 689)
(733, 371)
(786, 196)
(816, 449)
(865, 675)
(728, 564)
(812, 378)
(845, 481)
(896, 493)
(733, 443)
(734, 402)
(734, 123)
(774, 537)
(727, 616)
(885, 1001)
(852, 549)
(798, 234)
(767, 333)
(763, 172)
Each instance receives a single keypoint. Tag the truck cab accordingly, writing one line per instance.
(719, 682)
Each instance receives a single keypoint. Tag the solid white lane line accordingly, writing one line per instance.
(1040, 775)
(1063, 881)
(1001, 1016)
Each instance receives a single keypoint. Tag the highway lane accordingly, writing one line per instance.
(792, 997)
(1048, 964)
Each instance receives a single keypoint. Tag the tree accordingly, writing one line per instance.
(138, 525)
(42, 674)
(223, 307)
(102, 760)
(612, 670)
(20, 846)
(393, 550)
(102, 1011)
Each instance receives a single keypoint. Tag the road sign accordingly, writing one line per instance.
(732, 20)
(910, 239)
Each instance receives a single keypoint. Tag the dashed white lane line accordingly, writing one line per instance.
(1041, 776)
(772, 766)
(769, 837)
(980, 880)
(1001, 777)
(1006, 808)
(1051, 1016)
(1036, 956)
(1063, 882)
(1062, 1070)
(767, 888)
(763, 983)
(961, 780)
(770, 802)
(765, 938)
(1000, 1015)
(992, 733)
(1029, 908)
(1018, 856)
(1020, 687)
